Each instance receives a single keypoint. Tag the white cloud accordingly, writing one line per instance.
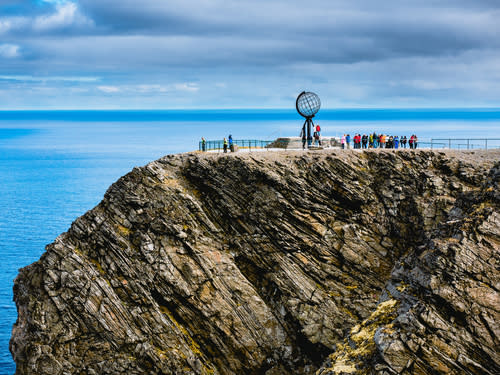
(9, 51)
(67, 14)
(12, 23)
(28, 78)
(152, 88)
(187, 87)
(108, 89)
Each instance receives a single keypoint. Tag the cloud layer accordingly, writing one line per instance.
(250, 53)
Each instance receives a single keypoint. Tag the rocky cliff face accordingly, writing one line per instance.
(274, 263)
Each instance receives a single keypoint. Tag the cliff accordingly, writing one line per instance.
(325, 263)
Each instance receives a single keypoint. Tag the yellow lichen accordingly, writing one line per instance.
(193, 345)
(349, 359)
(402, 287)
(171, 182)
(123, 230)
(98, 266)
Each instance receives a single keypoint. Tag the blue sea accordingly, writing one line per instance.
(56, 165)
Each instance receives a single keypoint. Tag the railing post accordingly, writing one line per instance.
(486, 144)
(449, 143)
(467, 143)
(432, 144)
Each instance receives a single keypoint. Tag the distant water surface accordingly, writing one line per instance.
(56, 165)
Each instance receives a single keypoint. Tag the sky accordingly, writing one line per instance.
(159, 54)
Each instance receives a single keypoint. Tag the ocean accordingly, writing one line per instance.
(56, 165)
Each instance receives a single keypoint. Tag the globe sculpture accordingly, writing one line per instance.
(307, 104)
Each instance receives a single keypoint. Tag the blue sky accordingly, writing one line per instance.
(248, 53)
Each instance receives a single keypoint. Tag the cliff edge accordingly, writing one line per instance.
(328, 262)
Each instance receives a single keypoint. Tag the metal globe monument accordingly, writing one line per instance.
(307, 104)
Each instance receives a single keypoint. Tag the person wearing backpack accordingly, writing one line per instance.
(364, 141)
(316, 138)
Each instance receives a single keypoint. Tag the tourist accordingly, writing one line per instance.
(415, 141)
(403, 141)
(348, 140)
(375, 140)
(225, 145)
(342, 141)
(364, 141)
(390, 143)
(410, 142)
(231, 145)
(396, 142)
(382, 141)
(317, 141)
(203, 144)
(370, 141)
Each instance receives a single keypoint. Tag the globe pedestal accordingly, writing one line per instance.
(306, 132)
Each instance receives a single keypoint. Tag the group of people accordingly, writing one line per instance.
(316, 137)
(228, 142)
(359, 141)
(225, 144)
(378, 141)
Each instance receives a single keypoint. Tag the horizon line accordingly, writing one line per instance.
(239, 109)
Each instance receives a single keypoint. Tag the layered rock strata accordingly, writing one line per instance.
(326, 262)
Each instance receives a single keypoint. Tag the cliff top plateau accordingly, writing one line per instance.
(327, 262)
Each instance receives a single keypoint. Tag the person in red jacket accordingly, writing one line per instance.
(357, 141)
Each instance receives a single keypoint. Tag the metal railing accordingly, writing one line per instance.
(465, 143)
(292, 143)
(240, 143)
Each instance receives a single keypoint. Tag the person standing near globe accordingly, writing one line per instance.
(303, 135)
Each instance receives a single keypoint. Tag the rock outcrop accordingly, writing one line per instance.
(327, 262)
